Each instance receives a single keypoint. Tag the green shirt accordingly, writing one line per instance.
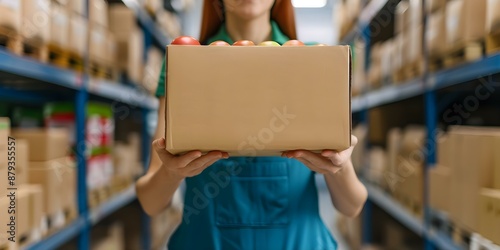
(276, 35)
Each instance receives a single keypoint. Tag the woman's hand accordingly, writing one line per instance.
(187, 165)
(326, 162)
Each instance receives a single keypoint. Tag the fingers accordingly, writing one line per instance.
(354, 140)
(313, 158)
(187, 158)
(159, 146)
(198, 165)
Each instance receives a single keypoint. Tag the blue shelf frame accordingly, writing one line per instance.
(425, 86)
(34, 73)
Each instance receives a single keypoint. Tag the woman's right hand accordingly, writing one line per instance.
(187, 165)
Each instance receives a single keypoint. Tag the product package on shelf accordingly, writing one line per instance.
(152, 69)
(465, 22)
(78, 33)
(489, 218)
(98, 12)
(473, 146)
(35, 21)
(45, 143)
(4, 134)
(436, 33)
(358, 68)
(440, 176)
(76, 6)
(10, 16)
(59, 28)
(169, 22)
(434, 5)
(100, 174)
(493, 26)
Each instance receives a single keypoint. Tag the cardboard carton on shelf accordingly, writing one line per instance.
(35, 16)
(434, 5)
(436, 33)
(98, 12)
(10, 16)
(493, 16)
(36, 213)
(50, 175)
(474, 147)
(465, 21)
(77, 34)
(152, 69)
(49, 143)
(23, 216)
(415, 17)
(401, 19)
(76, 6)
(224, 97)
(22, 162)
(59, 26)
(489, 215)
(440, 188)
(97, 43)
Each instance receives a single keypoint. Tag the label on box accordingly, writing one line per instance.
(13, 4)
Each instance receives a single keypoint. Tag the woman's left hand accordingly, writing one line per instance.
(326, 162)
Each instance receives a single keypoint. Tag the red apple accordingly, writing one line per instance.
(293, 43)
(243, 43)
(219, 43)
(185, 40)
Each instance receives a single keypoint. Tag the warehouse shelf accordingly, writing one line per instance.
(22, 69)
(61, 237)
(96, 215)
(148, 23)
(122, 93)
(117, 202)
(398, 212)
(365, 17)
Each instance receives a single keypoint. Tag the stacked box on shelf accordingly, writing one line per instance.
(51, 167)
(99, 128)
(102, 42)
(489, 214)
(35, 29)
(10, 17)
(375, 75)
(473, 146)
(77, 30)
(127, 161)
(440, 176)
(152, 69)
(435, 35)
(347, 12)
(169, 22)
(358, 67)
(59, 27)
(130, 42)
(493, 26)
(153, 6)
(465, 30)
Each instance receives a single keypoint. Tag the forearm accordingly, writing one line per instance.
(346, 190)
(156, 189)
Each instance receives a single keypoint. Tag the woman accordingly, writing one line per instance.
(249, 202)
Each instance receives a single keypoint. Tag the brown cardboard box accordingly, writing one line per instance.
(22, 162)
(46, 144)
(493, 16)
(359, 74)
(5, 217)
(78, 33)
(121, 20)
(76, 6)
(475, 148)
(152, 69)
(436, 33)
(36, 214)
(59, 26)
(35, 20)
(399, 51)
(98, 12)
(394, 139)
(97, 42)
(490, 214)
(434, 5)
(415, 13)
(465, 21)
(401, 19)
(50, 175)
(3, 175)
(111, 49)
(68, 185)
(440, 188)
(245, 101)
(152, 5)
(10, 14)
(23, 213)
(415, 48)
(359, 159)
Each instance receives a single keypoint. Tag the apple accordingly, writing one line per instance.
(269, 43)
(185, 40)
(243, 43)
(294, 43)
(219, 43)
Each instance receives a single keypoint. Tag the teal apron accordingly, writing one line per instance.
(252, 203)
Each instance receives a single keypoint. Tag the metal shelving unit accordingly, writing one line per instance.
(426, 87)
(25, 80)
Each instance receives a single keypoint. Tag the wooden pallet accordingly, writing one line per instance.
(99, 195)
(64, 58)
(118, 184)
(15, 43)
(493, 43)
(436, 62)
(462, 53)
(103, 71)
(413, 70)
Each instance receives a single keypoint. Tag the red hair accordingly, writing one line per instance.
(213, 15)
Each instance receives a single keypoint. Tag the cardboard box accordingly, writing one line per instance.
(78, 33)
(97, 42)
(68, 185)
(465, 21)
(121, 20)
(474, 147)
(152, 69)
(401, 17)
(245, 101)
(59, 26)
(50, 175)
(36, 214)
(436, 33)
(434, 5)
(49, 143)
(98, 12)
(415, 48)
(76, 6)
(152, 5)
(399, 51)
(415, 13)
(22, 161)
(23, 213)
(111, 49)
(10, 14)
(489, 214)
(5, 219)
(394, 139)
(493, 16)
(440, 188)
(35, 16)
